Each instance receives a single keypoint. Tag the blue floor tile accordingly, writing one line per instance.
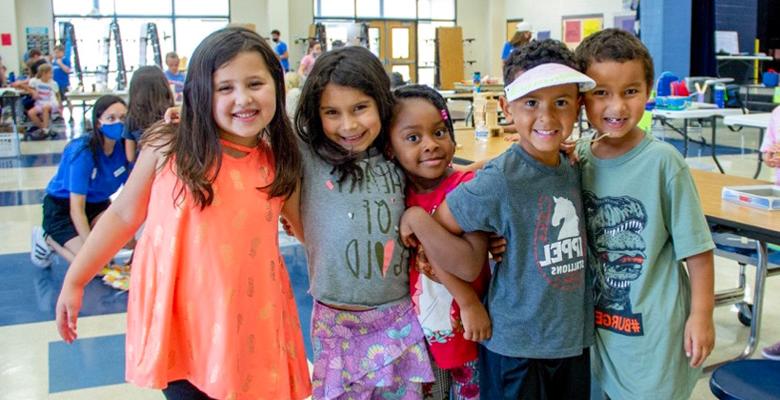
(22, 197)
(86, 363)
(34, 160)
(29, 294)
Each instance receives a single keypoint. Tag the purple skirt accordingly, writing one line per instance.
(362, 354)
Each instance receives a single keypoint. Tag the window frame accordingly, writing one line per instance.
(354, 18)
(172, 16)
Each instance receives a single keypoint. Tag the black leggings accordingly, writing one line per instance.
(184, 390)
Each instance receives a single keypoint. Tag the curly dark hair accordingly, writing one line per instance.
(614, 45)
(432, 96)
(355, 67)
(535, 53)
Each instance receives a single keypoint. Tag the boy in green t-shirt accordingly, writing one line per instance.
(654, 325)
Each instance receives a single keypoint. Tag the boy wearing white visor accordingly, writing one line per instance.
(539, 300)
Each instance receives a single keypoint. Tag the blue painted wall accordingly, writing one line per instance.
(666, 31)
(740, 16)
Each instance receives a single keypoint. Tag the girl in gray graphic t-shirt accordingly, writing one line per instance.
(365, 335)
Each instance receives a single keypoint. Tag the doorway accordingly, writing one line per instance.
(394, 42)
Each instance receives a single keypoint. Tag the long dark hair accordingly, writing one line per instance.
(195, 145)
(353, 67)
(96, 137)
(150, 96)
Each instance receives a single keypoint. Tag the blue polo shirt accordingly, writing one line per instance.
(506, 51)
(177, 80)
(79, 173)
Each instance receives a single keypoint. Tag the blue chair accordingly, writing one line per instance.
(747, 380)
(744, 252)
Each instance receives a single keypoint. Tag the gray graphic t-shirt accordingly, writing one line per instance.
(351, 232)
(540, 299)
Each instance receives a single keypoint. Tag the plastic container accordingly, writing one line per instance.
(477, 81)
(770, 78)
(663, 86)
(481, 133)
(672, 102)
(719, 94)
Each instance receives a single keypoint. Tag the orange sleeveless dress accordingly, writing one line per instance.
(210, 298)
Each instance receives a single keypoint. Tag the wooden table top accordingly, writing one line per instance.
(748, 221)
(471, 150)
(752, 222)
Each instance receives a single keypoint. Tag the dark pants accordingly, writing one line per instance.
(184, 390)
(56, 217)
(513, 378)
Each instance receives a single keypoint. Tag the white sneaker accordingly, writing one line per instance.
(40, 252)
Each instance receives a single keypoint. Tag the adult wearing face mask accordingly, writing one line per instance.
(307, 62)
(281, 50)
(93, 167)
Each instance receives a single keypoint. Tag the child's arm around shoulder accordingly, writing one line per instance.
(446, 245)
(699, 329)
(115, 228)
(291, 214)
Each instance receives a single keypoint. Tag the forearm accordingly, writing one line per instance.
(109, 235)
(702, 276)
(473, 167)
(451, 252)
(462, 291)
(130, 147)
(80, 222)
(291, 212)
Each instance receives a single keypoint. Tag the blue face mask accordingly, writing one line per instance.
(113, 131)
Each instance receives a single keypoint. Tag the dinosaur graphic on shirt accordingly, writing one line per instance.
(617, 253)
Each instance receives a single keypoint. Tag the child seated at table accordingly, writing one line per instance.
(46, 101)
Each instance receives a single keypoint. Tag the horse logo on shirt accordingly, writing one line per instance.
(565, 211)
(560, 252)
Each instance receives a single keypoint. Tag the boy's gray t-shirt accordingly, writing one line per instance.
(351, 232)
(540, 300)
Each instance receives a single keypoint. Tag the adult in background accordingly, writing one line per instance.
(280, 48)
(523, 34)
(93, 167)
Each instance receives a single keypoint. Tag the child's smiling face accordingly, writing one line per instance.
(544, 119)
(421, 142)
(350, 118)
(617, 103)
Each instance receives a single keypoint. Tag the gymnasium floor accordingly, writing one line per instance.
(35, 364)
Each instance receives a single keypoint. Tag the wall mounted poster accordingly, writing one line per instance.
(578, 27)
(37, 37)
(572, 31)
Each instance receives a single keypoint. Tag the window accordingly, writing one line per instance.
(181, 25)
(340, 16)
(402, 9)
(426, 50)
(436, 9)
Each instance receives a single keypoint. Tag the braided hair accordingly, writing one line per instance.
(427, 93)
(536, 53)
